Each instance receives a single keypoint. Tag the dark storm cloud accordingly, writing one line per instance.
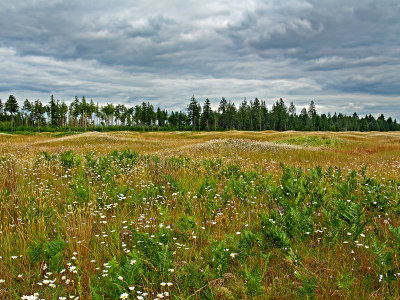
(343, 54)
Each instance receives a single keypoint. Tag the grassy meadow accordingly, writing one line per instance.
(200, 215)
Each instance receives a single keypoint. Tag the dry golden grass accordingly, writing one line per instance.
(349, 149)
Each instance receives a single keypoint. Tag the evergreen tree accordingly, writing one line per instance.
(264, 115)
(53, 112)
(39, 110)
(173, 119)
(120, 114)
(93, 108)
(108, 112)
(364, 125)
(162, 117)
(75, 109)
(304, 118)
(27, 108)
(292, 116)
(12, 107)
(256, 114)
(382, 124)
(355, 122)
(292, 109)
(222, 111)
(312, 113)
(231, 115)
(206, 115)
(1, 110)
(253, 116)
(243, 116)
(194, 110)
(138, 115)
(62, 114)
(280, 115)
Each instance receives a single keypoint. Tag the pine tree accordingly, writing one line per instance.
(53, 110)
(312, 110)
(62, 114)
(312, 113)
(243, 116)
(264, 115)
(1, 110)
(206, 115)
(256, 112)
(27, 107)
(12, 107)
(292, 109)
(161, 117)
(280, 115)
(108, 111)
(39, 110)
(194, 110)
(231, 115)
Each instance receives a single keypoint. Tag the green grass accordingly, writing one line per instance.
(313, 141)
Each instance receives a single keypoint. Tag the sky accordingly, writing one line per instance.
(343, 54)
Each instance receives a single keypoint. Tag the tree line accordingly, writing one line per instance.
(82, 115)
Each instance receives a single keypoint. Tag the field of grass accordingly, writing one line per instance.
(186, 215)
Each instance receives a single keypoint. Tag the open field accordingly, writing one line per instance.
(183, 215)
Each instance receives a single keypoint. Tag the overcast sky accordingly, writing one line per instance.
(343, 54)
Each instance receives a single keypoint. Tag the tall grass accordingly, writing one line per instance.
(203, 218)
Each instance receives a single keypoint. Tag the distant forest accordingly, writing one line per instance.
(82, 115)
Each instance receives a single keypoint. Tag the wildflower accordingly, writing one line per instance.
(2, 281)
(120, 278)
(124, 296)
(72, 269)
(140, 298)
(160, 296)
(233, 255)
(131, 288)
(163, 284)
(52, 285)
(171, 270)
(169, 283)
(133, 261)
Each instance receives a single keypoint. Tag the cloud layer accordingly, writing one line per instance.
(342, 54)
